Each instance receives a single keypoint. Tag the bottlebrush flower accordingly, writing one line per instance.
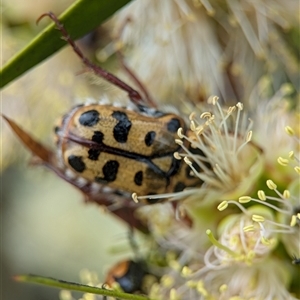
(235, 42)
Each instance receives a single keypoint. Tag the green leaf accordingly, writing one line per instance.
(62, 284)
(79, 19)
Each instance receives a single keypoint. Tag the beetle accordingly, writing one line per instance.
(138, 135)
(126, 150)
(131, 276)
(128, 274)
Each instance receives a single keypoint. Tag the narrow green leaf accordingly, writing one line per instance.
(79, 19)
(62, 284)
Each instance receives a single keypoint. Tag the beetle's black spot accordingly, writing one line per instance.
(149, 138)
(76, 163)
(180, 186)
(153, 201)
(89, 118)
(98, 137)
(196, 166)
(94, 154)
(138, 178)
(110, 170)
(121, 130)
(173, 125)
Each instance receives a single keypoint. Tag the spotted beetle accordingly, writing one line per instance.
(109, 152)
(122, 150)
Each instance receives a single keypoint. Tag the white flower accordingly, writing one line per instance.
(208, 47)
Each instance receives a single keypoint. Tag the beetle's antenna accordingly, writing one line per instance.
(133, 94)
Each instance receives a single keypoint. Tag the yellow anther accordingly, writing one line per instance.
(244, 199)
(191, 284)
(193, 126)
(286, 194)
(205, 115)
(249, 136)
(248, 228)
(271, 185)
(283, 161)
(286, 88)
(192, 116)
(199, 130)
(135, 197)
(167, 281)
(240, 106)
(179, 132)
(179, 142)
(186, 271)
(200, 284)
(173, 294)
(201, 290)
(293, 221)
(292, 155)
(223, 288)
(289, 130)
(177, 156)
(258, 218)
(231, 109)
(215, 99)
(297, 169)
(261, 195)
(187, 161)
(222, 206)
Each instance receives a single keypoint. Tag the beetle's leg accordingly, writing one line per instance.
(132, 93)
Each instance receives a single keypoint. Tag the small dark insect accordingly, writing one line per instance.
(131, 276)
